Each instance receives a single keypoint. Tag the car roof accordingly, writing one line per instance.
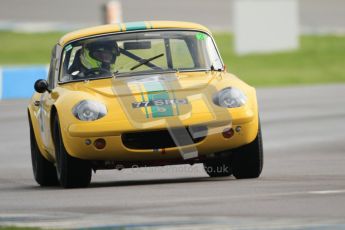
(130, 26)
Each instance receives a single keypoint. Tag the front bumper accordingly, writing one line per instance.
(76, 136)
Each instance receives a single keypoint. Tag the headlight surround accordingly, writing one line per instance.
(88, 110)
(230, 98)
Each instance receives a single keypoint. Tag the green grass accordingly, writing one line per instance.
(320, 59)
(25, 48)
(17, 228)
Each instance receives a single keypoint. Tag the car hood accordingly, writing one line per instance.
(133, 85)
(160, 95)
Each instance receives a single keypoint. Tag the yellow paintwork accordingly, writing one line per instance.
(198, 87)
(113, 28)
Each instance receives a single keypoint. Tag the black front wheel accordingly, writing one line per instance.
(44, 170)
(72, 172)
(247, 161)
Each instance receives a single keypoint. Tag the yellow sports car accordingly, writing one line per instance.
(141, 94)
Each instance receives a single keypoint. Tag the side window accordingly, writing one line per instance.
(214, 56)
(70, 62)
(75, 54)
(52, 67)
(181, 56)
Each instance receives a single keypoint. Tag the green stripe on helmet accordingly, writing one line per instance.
(91, 63)
(88, 61)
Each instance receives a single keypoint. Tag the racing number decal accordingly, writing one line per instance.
(159, 102)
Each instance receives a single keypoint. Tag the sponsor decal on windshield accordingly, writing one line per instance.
(200, 36)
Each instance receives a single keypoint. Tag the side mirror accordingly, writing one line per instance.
(41, 86)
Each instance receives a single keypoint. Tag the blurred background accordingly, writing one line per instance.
(292, 51)
(316, 16)
(29, 29)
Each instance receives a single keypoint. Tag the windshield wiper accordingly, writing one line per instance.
(145, 61)
(125, 74)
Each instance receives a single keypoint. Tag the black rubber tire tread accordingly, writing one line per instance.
(218, 167)
(247, 161)
(44, 171)
(72, 172)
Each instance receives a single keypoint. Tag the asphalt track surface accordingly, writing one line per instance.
(302, 185)
(320, 16)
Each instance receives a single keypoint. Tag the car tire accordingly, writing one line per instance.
(72, 172)
(247, 161)
(44, 171)
(218, 167)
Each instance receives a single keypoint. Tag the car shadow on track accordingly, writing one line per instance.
(157, 181)
(123, 183)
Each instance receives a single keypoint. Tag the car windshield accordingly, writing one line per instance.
(139, 53)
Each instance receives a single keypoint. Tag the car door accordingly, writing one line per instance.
(47, 100)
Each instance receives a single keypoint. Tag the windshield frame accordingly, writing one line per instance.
(134, 73)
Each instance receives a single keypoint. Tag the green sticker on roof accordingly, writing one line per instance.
(200, 36)
(135, 26)
(68, 48)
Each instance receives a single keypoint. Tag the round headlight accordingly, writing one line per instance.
(230, 98)
(88, 110)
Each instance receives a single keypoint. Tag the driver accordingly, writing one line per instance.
(98, 57)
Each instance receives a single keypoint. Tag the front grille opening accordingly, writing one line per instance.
(157, 139)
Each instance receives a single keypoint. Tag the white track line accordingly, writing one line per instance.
(325, 192)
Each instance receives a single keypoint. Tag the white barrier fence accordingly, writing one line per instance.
(263, 26)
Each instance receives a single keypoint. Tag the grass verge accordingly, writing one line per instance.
(17, 228)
